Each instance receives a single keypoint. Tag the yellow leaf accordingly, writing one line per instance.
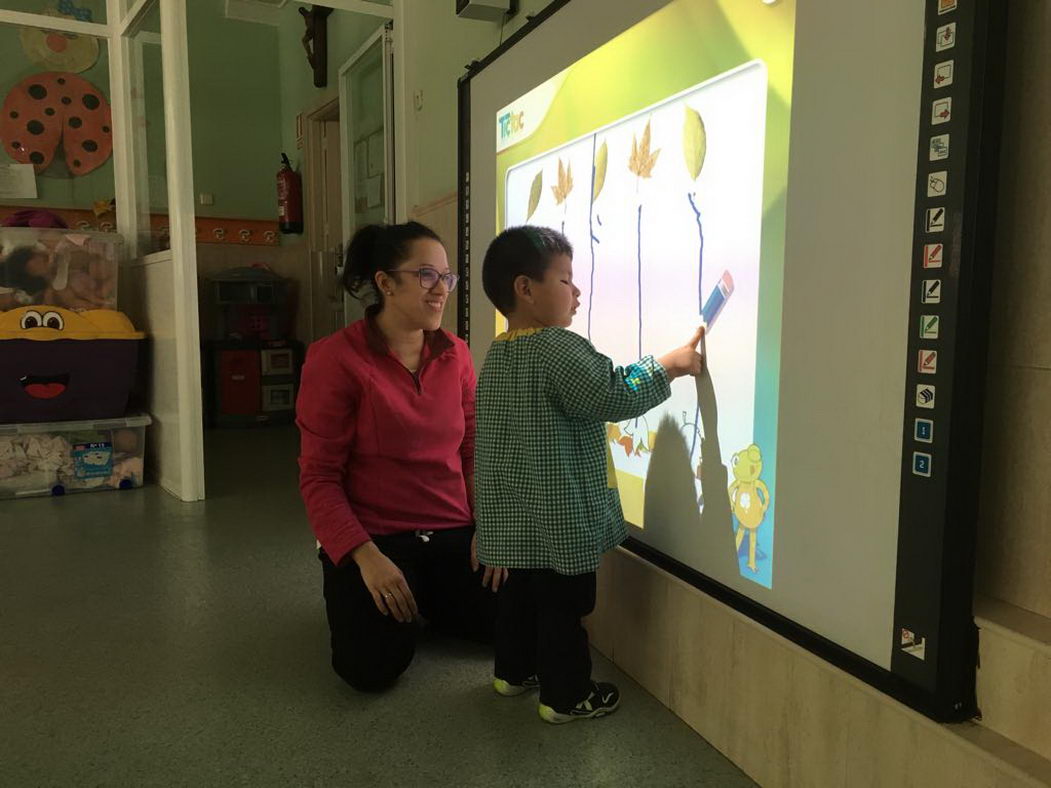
(601, 160)
(534, 194)
(694, 142)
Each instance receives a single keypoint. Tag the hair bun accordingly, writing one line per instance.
(379, 247)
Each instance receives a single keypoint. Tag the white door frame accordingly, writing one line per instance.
(175, 65)
(344, 133)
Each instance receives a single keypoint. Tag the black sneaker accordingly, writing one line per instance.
(602, 700)
(509, 690)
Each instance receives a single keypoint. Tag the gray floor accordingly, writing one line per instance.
(148, 642)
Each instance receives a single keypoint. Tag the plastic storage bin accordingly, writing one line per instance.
(72, 456)
(59, 365)
(67, 268)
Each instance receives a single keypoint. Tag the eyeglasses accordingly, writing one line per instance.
(429, 277)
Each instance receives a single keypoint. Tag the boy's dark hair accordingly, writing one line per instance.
(519, 251)
(379, 247)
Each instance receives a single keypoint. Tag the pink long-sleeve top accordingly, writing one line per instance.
(384, 450)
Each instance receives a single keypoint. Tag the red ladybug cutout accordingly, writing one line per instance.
(56, 107)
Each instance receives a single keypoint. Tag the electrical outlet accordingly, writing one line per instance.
(207, 199)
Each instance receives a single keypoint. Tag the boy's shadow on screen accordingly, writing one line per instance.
(674, 524)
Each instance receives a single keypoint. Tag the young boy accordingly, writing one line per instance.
(546, 500)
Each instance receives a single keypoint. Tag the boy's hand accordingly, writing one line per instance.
(685, 360)
(493, 577)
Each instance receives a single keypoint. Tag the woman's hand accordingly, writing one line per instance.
(390, 591)
(493, 577)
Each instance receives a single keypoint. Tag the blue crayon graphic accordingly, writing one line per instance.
(717, 300)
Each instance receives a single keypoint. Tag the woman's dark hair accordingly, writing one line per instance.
(519, 251)
(379, 247)
(13, 271)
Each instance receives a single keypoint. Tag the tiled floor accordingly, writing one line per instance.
(145, 642)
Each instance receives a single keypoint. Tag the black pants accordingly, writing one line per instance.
(539, 631)
(370, 650)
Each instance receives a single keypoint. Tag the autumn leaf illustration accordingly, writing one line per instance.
(534, 194)
(694, 142)
(565, 183)
(642, 160)
(601, 159)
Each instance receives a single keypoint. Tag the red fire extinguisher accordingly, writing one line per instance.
(289, 198)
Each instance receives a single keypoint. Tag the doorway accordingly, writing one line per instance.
(323, 207)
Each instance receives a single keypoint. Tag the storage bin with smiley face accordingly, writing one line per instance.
(59, 365)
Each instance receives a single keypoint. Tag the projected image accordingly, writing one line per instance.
(666, 205)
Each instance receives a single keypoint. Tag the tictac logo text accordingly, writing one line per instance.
(511, 123)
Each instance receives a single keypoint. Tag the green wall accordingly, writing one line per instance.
(235, 106)
(346, 33)
(441, 45)
(235, 114)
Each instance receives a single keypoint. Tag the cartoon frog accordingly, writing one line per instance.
(749, 498)
(56, 364)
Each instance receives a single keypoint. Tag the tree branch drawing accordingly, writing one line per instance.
(599, 160)
(695, 149)
(641, 163)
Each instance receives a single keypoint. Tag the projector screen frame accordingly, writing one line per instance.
(942, 687)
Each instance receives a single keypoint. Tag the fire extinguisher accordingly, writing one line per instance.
(289, 198)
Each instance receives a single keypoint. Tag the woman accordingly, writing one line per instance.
(386, 417)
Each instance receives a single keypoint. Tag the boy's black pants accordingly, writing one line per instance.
(539, 632)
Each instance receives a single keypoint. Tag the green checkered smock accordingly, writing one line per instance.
(545, 491)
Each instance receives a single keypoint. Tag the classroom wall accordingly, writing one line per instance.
(346, 33)
(235, 112)
(1014, 555)
(442, 45)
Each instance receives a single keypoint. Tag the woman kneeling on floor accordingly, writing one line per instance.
(386, 417)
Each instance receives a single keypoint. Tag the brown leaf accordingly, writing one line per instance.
(565, 183)
(651, 162)
(642, 161)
